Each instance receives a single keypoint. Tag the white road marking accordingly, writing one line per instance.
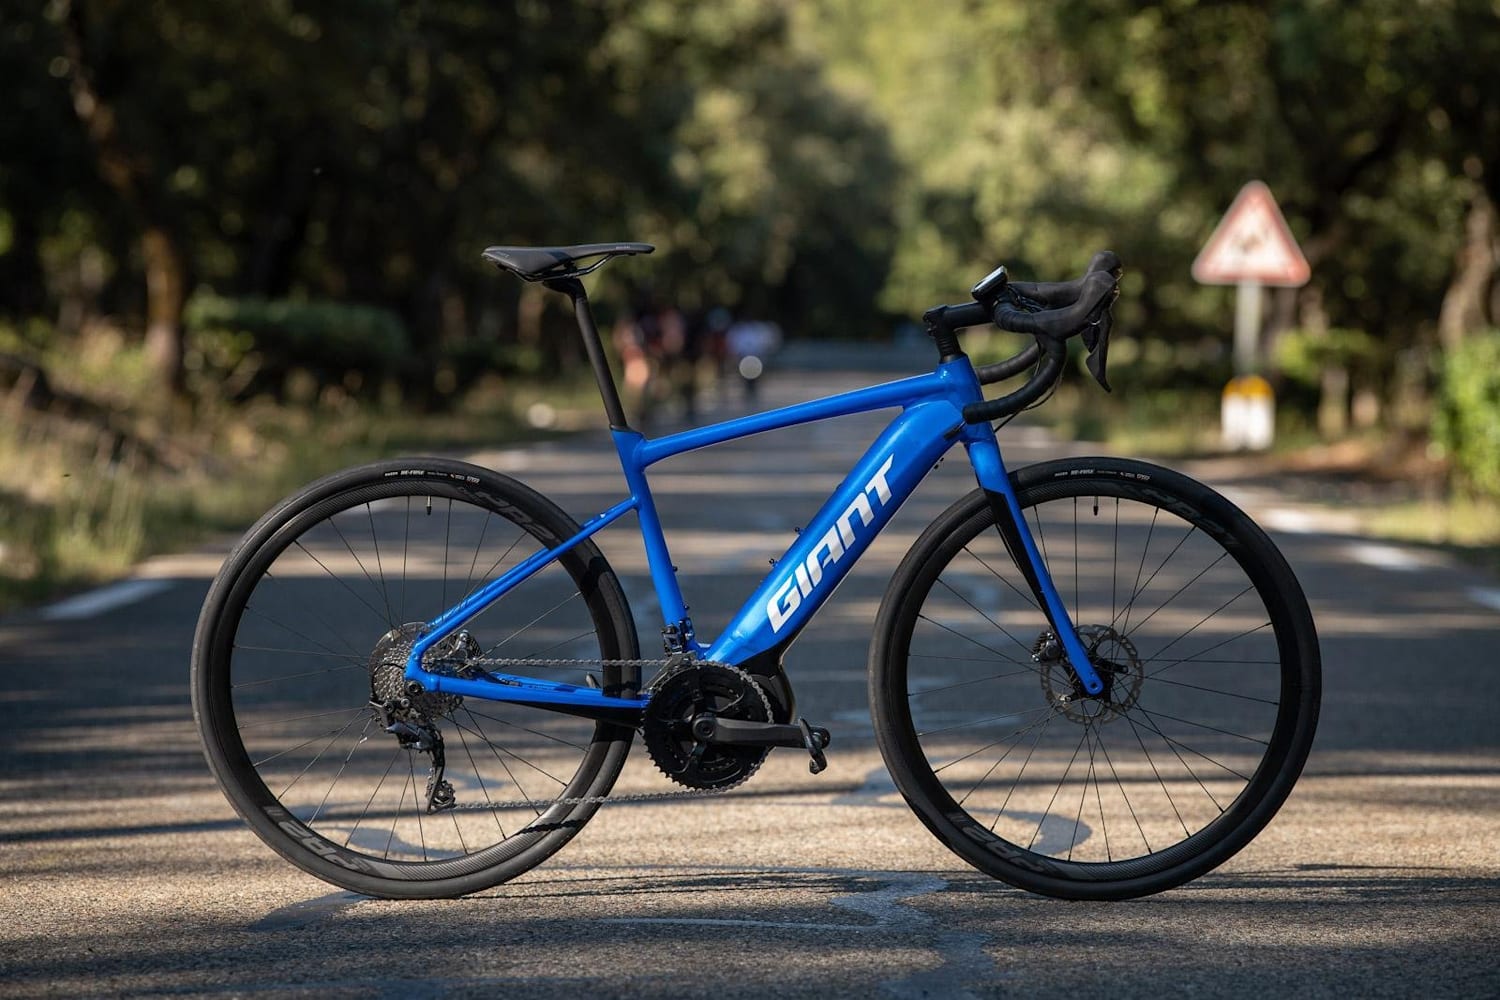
(1385, 556)
(97, 602)
(1488, 596)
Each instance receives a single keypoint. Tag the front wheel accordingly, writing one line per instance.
(298, 680)
(1198, 628)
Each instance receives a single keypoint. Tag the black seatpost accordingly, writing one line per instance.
(594, 347)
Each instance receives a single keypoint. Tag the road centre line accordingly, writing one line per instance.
(92, 603)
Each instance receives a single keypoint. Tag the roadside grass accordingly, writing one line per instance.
(80, 503)
(1393, 487)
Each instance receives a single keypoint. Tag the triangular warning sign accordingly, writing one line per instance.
(1252, 243)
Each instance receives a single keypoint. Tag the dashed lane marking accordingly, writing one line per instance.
(96, 602)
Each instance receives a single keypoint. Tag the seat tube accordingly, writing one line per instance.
(989, 468)
(658, 558)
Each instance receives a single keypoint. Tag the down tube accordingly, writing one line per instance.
(840, 532)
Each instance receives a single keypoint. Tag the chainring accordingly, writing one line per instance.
(686, 692)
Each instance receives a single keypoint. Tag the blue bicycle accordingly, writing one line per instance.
(1091, 678)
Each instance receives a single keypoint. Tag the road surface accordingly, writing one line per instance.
(126, 872)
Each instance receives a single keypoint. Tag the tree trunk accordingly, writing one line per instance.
(166, 293)
(1465, 304)
(161, 256)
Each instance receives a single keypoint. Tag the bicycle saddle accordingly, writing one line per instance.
(543, 263)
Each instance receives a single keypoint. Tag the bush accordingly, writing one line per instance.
(1467, 424)
(330, 338)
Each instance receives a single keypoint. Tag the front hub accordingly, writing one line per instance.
(1113, 657)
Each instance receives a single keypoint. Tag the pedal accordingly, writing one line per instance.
(813, 741)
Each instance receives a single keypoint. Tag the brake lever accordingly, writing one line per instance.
(1096, 339)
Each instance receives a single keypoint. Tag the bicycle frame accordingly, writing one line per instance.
(930, 423)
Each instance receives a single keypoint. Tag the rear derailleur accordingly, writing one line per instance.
(421, 735)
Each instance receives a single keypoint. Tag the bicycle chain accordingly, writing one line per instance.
(587, 800)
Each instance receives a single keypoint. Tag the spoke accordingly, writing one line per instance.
(1210, 649)
(1058, 790)
(489, 574)
(1001, 628)
(447, 538)
(289, 677)
(417, 803)
(1048, 713)
(1123, 794)
(364, 734)
(1236, 597)
(318, 756)
(533, 621)
(1130, 605)
(1199, 725)
(1224, 554)
(386, 618)
(1028, 598)
(380, 570)
(478, 732)
(405, 553)
(1022, 772)
(1083, 795)
(1077, 590)
(484, 527)
(282, 753)
(483, 788)
(358, 562)
(1114, 563)
(977, 680)
(351, 655)
(299, 718)
(1159, 779)
(525, 729)
(1135, 588)
(559, 644)
(976, 642)
(977, 722)
(390, 765)
(1227, 694)
(986, 776)
(1099, 796)
(1174, 744)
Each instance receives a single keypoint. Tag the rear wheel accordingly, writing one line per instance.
(1192, 618)
(306, 631)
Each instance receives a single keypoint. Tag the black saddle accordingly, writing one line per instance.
(550, 263)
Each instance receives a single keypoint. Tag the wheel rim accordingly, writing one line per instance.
(1194, 726)
(304, 627)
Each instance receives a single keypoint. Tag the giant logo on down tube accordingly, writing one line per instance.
(830, 548)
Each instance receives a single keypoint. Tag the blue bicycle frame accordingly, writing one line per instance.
(930, 422)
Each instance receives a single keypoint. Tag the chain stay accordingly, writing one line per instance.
(586, 800)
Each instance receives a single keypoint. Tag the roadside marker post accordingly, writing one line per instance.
(1250, 248)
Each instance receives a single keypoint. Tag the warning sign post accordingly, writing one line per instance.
(1250, 248)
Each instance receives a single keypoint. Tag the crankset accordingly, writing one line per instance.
(709, 726)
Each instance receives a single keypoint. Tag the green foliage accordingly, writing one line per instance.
(1303, 355)
(1467, 423)
(835, 165)
(328, 337)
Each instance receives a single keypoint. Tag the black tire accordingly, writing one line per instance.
(285, 653)
(1211, 653)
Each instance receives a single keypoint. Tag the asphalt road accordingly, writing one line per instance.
(126, 872)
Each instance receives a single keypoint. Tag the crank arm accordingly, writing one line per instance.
(739, 732)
